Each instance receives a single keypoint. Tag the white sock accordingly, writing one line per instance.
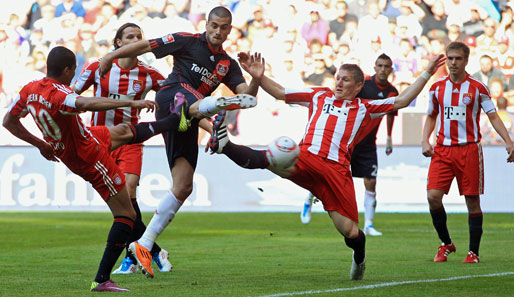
(207, 106)
(164, 213)
(370, 203)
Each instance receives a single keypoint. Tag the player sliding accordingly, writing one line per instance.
(337, 121)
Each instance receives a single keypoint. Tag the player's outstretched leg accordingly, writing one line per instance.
(219, 136)
(305, 215)
(358, 245)
(143, 257)
(243, 156)
(210, 105)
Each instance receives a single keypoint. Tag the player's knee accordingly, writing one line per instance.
(183, 190)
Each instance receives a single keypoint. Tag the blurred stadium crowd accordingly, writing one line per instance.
(303, 42)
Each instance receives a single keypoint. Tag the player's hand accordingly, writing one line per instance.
(389, 145)
(253, 64)
(510, 151)
(435, 63)
(426, 149)
(149, 105)
(104, 66)
(46, 151)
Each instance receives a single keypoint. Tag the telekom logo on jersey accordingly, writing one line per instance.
(32, 182)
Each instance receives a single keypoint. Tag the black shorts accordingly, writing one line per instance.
(179, 144)
(364, 163)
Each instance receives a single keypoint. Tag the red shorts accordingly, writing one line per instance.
(129, 158)
(100, 169)
(465, 162)
(329, 181)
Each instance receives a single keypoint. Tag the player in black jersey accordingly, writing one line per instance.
(200, 66)
(364, 157)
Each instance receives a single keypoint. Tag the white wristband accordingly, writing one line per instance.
(426, 75)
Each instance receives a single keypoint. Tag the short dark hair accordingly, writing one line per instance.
(383, 56)
(221, 12)
(456, 45)
(356, 71)
(58, 59)
(119, 33)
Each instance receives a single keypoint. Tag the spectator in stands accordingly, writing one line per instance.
(48, 24)
(407, 60)
(488, 72)
(487, 42)
(315, 28)
(434, 22)
(338, 25)
(506, 25)
(70, 6)
(372, 24)
(504, 60)
(34, 14)
(174, 20)
(93, 8)
(410, 16)
(320, 71)
(351, 35)
(454, 26)
(474, 26)
(106, 23)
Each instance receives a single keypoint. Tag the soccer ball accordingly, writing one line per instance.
(282, 152)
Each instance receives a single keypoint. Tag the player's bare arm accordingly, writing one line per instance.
(128, 51)
(255, 66)
(409, 94)
(13, 124)
(101, 104)
(426, 148)
(499, 127)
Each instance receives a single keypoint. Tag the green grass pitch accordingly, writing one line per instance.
(257, 254)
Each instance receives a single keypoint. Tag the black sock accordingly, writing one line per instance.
(246, 157)
(439, 221)
(475, 222)
(146, 130)
(120, 231)
(358, 245)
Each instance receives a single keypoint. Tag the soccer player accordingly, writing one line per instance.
(364, 161)
(85, 151)
(337, 120)
(200, 66)
(364, 156)
(455, 102)
(129, 79)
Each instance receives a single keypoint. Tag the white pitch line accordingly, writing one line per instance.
(390, 284)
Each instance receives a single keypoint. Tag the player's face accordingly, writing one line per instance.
(383, 68)
(217, 30)
(130, 35)
(346, 87)
(456, 62)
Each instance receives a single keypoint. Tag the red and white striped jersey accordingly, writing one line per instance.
(122, 84)
(458, 108)
(335, 125)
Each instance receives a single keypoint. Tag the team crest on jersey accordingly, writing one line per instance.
(117, 179)
(222, 69)
(168, 39)
(466, 98)
(137, 85)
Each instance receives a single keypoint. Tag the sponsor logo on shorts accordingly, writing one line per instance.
(117, 179)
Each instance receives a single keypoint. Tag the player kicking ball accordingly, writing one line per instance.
(337, 121)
